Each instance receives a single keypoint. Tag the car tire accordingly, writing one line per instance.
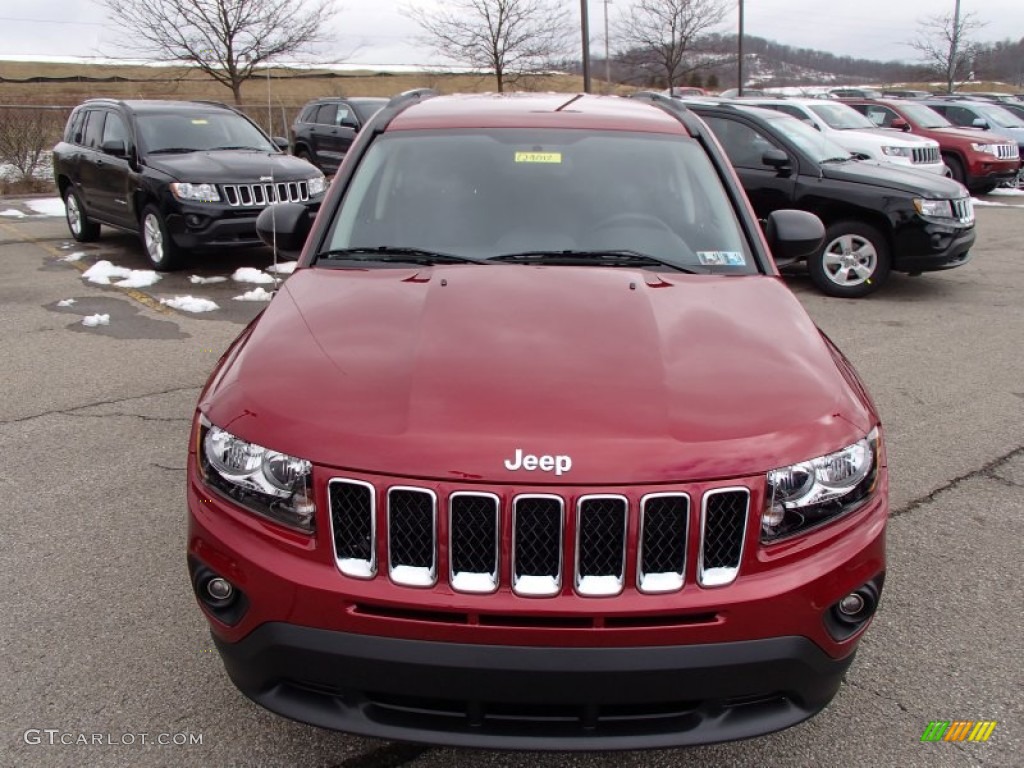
(163, 254)
(854, 262)
(303, 154)
(83, 229)
(956, 168)
(984, 189)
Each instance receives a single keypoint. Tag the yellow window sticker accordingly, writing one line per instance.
(539, 157)
(200, 121)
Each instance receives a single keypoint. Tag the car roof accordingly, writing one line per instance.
(537, 110)
(161, 105)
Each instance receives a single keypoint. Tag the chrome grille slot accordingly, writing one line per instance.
(723, 523)
(353, 524)
(261, 195)
(925, 155)
(664, 520)
(1007, 151)
(412, 536)
(600, 545)
(963, 210)
(473, 531)
(537, 530)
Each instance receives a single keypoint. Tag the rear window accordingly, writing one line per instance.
(485, 193)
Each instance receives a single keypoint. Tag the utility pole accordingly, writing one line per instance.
(739, 53)
(607, 55)
(585, 25)
(954, 48)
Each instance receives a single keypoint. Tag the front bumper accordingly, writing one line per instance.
(551, 698)
(932, 247)
(215, 226)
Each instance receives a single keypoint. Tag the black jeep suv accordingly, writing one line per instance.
(326, 128)
(183, 174)
(878, 218)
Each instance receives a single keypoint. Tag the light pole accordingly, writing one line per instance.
(739, 55)
(607, 56)
(585, 28)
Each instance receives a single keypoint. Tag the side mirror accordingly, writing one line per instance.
(777, 159)
(281, 142)
(793, 236)
(900, 124)
(980, 122)
(115, 147)
(284, 225)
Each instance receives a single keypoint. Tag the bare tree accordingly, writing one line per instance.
(226, 39)
(510, 37)
(945, 45)
(667, 29)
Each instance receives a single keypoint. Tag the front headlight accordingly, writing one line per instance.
(941, 209)
(317, 185)
(202, 193)
(807, 494)
(263, 481)
(897, 151)
(988, 149)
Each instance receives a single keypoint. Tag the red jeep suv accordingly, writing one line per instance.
(535, 449)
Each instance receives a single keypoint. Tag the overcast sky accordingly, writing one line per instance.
(381, 34)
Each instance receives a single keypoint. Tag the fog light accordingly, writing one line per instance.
(219, 589)
(851, 605)
(193, 220)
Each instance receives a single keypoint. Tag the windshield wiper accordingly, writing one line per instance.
(602, 258)
(396, 254)
(172, 150)
(237, 146)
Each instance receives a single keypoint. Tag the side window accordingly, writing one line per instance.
(114, 130)
(326, 114)
(880, 116)
(959, 116)
(796, 112)
(93, 129)
(744, 145)
(309, 114)
(345, 116)
(74, 131)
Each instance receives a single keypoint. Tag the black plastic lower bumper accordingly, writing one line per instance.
(512, 697)
(943, 249)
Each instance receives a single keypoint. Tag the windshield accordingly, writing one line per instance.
(1004, 118)
(925, 117)
(813, 142)
(198, 131)
(841, 117)
(489, 193)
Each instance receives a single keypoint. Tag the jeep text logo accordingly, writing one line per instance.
(529, 462)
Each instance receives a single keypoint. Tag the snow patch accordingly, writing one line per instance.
(284, 268)
(47, 206)
(190, 304)
(93, 320)
(102, 271)
(75, 256)
(982, 203)
(65, 302)
(251, 275)
(256, 294)
(13, 213)
(197, 280)
(139, 278)
(1007, 192)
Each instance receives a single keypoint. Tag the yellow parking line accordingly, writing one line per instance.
(143, 299)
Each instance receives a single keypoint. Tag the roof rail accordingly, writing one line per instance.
(674, 107)
(382, 119)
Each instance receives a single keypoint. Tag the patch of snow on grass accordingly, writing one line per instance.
(13, 213)
(47, 206)
(251, 275)
(256, 294)
(198, 280)
(65, 302)
(284, 268)
(93, 320)
(190, 304)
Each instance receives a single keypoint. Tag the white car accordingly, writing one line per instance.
(855, 133)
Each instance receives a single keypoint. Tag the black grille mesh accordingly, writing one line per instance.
(474, 530)
(411, 528)
(602, 537)
(538, 537)
(723, 529)
(664, 536)
(352, 520)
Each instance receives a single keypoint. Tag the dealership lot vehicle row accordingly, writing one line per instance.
(101, 634)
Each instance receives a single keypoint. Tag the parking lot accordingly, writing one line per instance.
(101, 635)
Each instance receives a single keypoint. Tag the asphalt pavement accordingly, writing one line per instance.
(104, 655)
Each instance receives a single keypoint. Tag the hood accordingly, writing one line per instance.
(909, 180)
(231, 166)
(447, 372)
(974, 134)
(885, 136)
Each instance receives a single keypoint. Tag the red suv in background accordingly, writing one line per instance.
(536, 449)
(979, 161)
